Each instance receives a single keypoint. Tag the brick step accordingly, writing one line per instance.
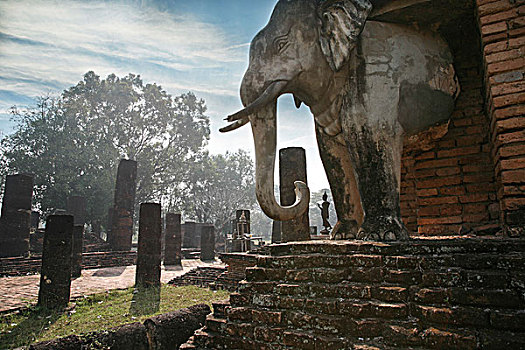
(215, 324)
(451, 277)
(202, 276)
(324, 306)
(205, 339)
(219, 307)
(502, 298)
(481, 261)
(458, 245)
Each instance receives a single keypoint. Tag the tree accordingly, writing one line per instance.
(73, 143)
(220, 185)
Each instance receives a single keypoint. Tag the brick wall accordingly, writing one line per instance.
(448, 184)
(502, 24)
(23, 266)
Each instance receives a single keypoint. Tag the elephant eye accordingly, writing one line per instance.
(281, 44)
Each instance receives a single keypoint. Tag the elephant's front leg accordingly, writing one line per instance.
(375, 152)
(340, 174)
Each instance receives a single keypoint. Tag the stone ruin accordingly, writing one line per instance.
(55, 274)
(292, 167)
(15, 220)
(173, 240)
(149, 249)
(121, 215)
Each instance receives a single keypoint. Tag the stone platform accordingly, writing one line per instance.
(426, 294)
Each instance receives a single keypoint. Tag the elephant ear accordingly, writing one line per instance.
(341, 24)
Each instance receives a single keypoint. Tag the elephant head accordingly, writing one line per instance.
(303, 40)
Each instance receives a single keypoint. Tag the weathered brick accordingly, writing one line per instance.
(508, 320)
(494, 28)
(461, 316)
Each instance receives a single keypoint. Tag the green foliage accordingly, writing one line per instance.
(73, 143)
(94, 313)
(220, 185)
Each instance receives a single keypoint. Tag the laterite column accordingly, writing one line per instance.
(122, 214)
(207, 242)
(55, 274)
(149, 250)
(173, 240)
(15, 221)
(189, 234)
(276, 231)
(76, 254)
(76, 206)
(292, 167)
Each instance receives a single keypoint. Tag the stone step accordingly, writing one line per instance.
(458, 245)
(215, 324)
(219, 307)
(481, 261)
(451, 277)
(320, 306)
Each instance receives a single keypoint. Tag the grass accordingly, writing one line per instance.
(98, 312)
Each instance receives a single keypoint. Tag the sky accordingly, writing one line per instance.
(200, 46)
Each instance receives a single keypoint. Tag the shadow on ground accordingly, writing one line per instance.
(146, 301)
(38, 320)
(110, 272)
(173, 268)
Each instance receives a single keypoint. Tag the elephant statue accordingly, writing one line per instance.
(367, 83)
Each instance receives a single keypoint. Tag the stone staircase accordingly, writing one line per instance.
(426, 294)
(201, 276)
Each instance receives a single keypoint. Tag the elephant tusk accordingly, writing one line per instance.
(235, 125)
(270, 94)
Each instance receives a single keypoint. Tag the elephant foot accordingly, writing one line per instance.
(344, 230)
(383, 228)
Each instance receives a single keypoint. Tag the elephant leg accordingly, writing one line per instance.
(345, 193)
(375, 152)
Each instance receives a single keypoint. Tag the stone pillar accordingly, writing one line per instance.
(35, 219)
(16, 215)
(149, 250)
(55, 274)
(76, 206)
(196, 241)
(276, 231)
(207, 242)
(123, 207)
(76, 251)
(292, 167)
(189, 234)
(173, 240)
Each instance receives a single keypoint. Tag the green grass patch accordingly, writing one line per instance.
(98, 312)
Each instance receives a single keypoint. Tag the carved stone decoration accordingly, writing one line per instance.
(55, 274)
(15, 221)
(369, 84)
(124, 205)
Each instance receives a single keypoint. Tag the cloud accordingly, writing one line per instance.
(47, 45)
(55, 42)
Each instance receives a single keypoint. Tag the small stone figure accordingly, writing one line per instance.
(324, 205)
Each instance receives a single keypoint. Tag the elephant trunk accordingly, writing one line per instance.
(264, 133)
